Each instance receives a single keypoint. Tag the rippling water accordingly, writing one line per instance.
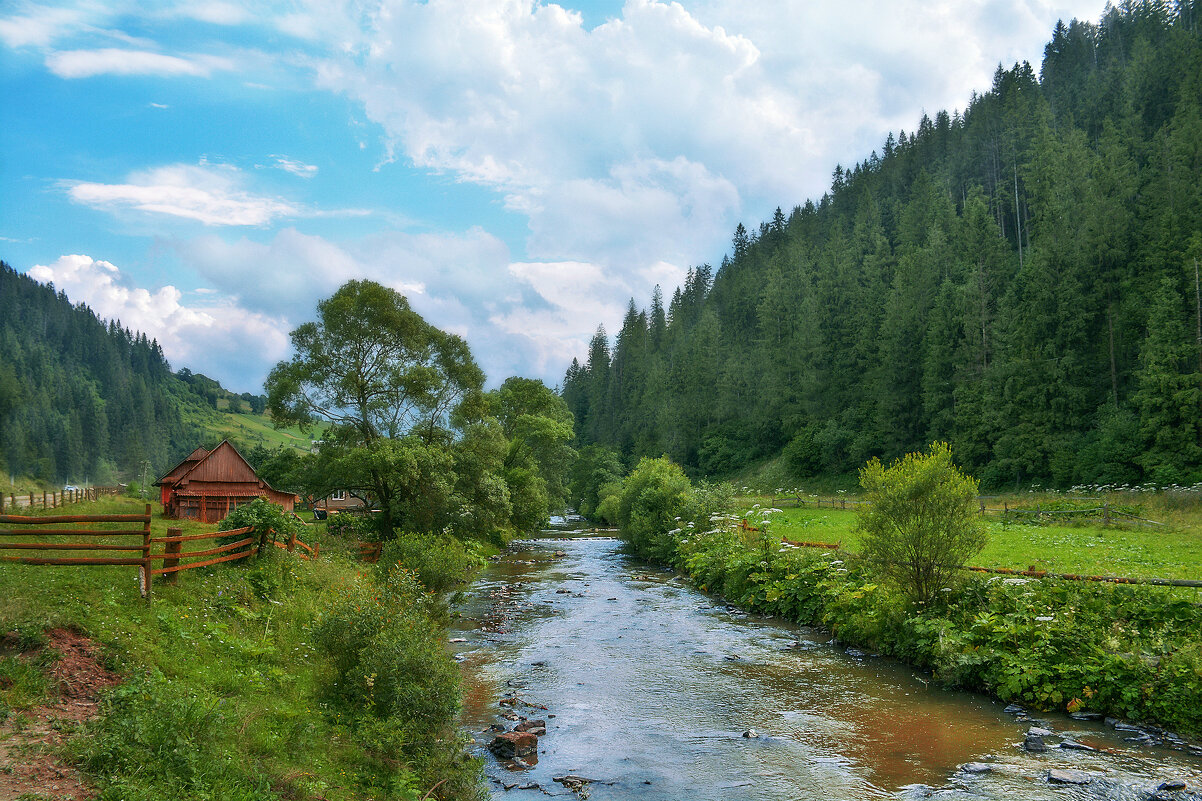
(648, 685)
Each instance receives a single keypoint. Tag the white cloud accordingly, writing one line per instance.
(298, 168)
(220, 339)
(217, 13)
(38, 26)
(115, 61)
(209, 194)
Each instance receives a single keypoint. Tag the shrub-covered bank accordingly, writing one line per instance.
(1130, 652)
(327, 679)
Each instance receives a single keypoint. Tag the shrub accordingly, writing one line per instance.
(919, 526)
(352, 526)
(269, 521)
(439, 561)
(653, 496)
(803, 454)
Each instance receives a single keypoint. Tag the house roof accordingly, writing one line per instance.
(187, 464)
(221, 471)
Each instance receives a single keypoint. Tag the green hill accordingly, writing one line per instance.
(83, 399)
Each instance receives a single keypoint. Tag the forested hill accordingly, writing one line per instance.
(84, 399)
(1020, 280)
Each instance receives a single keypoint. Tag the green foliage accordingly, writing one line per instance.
(1132, 652)
(270, 522)
(919, 524)
(596, 467)
(440, 562)
(389, 663)
(803, 454)
(352, 526)
(654, 497)
(1017, 280)
(227, 691)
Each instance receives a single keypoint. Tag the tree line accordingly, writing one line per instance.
(1020, 280)
(82, 398)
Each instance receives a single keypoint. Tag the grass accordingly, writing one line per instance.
(248, 429)
(227, 693)
(1171, 551)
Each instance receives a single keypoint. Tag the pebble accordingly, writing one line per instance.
(1034, 744)
(1036, 731)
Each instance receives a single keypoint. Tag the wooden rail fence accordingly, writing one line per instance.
(1108, 514)
(1032, 572)
(53, 500)
(124, 546)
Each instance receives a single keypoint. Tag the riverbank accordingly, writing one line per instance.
(647, 686)
(1133, 653)
(324, 679)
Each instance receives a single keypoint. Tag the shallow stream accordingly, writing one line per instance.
(647, 687)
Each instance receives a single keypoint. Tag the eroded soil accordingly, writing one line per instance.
(30, 739)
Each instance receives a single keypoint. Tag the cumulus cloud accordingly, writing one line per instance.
(208, 194)
(116, 61)
(218, 338)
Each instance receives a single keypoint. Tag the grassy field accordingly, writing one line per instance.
(1170, 551)
(250, 429)
(226, 689)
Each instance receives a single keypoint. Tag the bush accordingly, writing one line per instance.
(269, 521)
(803, 454)
(439, 561)
(919, 526)
(653, 497)
(353, 526)
(390, 665)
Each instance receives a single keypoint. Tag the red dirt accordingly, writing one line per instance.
(29, 739)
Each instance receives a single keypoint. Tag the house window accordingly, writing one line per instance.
(338, 495)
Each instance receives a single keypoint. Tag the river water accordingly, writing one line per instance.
(648, 686)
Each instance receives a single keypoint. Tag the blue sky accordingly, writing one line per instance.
(207, 171)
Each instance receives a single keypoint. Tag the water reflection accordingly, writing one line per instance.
(648, 687)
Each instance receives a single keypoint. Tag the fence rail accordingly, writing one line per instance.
(53, 500)
(1105, 511)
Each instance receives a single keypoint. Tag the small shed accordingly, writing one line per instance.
(208, 485)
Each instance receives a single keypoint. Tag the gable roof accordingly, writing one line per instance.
(187, 464)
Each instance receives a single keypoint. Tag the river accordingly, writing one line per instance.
(648, 686)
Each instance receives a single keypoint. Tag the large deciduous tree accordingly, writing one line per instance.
(391, 390)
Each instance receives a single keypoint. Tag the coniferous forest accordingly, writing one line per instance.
(82, 399)
(1020, 279)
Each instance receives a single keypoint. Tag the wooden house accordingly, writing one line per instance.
(208, 485)
(338, 501)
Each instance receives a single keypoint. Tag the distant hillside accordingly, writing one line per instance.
(1020, 280)
(84, 399)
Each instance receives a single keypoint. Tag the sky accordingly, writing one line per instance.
(206, 172)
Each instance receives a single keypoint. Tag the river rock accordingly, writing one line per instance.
(1058, 776)
(856, 653)
(751, 734)
(1014, 709)
(976, 767)
(1085, 715)
(530, 724)
(1172, 784)
(1034, 744)
(1036, 731)
(510, 744)
(1073, 745)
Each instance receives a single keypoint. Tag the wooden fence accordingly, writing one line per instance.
(1106, 514)
(125, 546)
(53, 500)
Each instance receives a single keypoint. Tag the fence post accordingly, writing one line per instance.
(291, 542)
(146, 563)
(173, 548)
(1105, 514)
(43, 500)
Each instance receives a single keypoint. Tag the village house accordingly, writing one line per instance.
(208, 485)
